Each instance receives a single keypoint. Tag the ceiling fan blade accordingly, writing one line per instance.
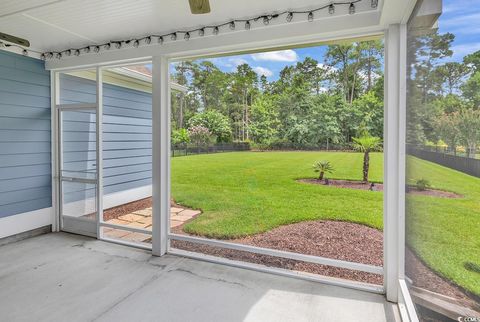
(14, 40)
(199, 6)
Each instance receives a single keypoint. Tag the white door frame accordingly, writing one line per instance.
(82, 226)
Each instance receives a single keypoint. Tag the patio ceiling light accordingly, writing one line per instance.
(310, 15)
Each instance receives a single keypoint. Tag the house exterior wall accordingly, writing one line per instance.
(127, 136)
(25, 158)
(25, 142)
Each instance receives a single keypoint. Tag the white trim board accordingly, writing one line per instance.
(20, 223)
(110, 200)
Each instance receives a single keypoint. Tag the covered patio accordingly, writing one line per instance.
(98, 281)
(93, 80)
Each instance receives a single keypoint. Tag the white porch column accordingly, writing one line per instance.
(160, 154)
(394, 154)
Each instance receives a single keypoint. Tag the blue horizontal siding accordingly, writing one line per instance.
(25, 138)
(127, 136)
(25, 165)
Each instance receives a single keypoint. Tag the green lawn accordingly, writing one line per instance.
(246, 193)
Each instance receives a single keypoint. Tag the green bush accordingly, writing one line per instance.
(322, 167)
(217, 123)
(180, 136)
(422, 184)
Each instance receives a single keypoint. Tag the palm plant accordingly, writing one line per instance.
(366, 144)
(322, 167)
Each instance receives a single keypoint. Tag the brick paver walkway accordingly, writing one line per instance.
(143, 219)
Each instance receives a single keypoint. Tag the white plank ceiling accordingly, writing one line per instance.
(60, 24)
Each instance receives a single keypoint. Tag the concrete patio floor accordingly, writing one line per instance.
(64, 277)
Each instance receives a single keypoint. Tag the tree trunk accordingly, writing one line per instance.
(353, 87)
(320, 177)
(369, 74)
(366, 165)
(471, 151)
(180, 116)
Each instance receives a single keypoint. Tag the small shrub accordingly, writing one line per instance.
(180, 136)
(472, 267)
(322, 167)
(422, 184)
(200, 135)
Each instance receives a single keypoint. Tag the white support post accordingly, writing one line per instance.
(99, 137)
(55, 99)
(394, 154)
(161, 154)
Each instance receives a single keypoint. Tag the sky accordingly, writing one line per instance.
(270, 63)
(460, 17)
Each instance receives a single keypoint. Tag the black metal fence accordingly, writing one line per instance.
(184, 149)
(463, 164)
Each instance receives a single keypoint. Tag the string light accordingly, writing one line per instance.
(289, 16)
(351, 9)
(331, 9)
(310, 16)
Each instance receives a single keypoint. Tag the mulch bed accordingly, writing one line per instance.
(332, 239)
(127, 208)
(360, 185)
